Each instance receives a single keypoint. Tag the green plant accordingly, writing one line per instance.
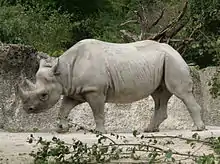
(47, 31)
(214, 84)
(203, 27)
(106, 149)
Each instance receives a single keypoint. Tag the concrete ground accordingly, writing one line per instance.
(14, 149)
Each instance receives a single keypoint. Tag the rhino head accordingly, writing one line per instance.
(46, 92)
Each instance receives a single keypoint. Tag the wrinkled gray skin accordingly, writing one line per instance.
(97, 72)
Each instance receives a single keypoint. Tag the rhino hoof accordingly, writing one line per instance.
(103, 131)
(150, 130)
(61, 129)
(203, 128)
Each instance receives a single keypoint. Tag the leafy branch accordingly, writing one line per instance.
(107, 149)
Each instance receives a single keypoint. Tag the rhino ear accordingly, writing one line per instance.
(45, 63)
(54, 68)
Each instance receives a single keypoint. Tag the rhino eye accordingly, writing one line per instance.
(26, 100)
(44, 96)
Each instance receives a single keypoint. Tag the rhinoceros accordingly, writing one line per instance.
(99, 72)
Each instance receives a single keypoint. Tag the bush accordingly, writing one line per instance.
(204, 28)
(47, 31)
(148, 149)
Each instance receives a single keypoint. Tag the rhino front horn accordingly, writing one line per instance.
(21, 92)
(54, 67)
(30, 84)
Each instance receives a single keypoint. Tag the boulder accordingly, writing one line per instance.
(14, 60)
(211, 105)
(17, 59)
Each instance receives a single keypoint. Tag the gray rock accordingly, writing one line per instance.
(211, 105)
(15, 59)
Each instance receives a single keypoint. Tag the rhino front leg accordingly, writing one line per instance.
(97, 103)
(161, 98)
(67, 105)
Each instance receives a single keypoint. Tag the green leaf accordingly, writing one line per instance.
(169, 154)
(135, 133)
(195, 135)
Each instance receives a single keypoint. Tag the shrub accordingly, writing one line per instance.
(47, 31)
(148, 148)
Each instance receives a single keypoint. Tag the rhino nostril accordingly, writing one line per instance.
(31, 109)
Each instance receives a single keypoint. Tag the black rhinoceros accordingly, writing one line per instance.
(97, 72)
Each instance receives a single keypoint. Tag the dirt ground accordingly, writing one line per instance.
(14, 149)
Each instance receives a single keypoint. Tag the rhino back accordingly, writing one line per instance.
(126, 72)
(133, 74)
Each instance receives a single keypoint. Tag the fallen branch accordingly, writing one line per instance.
(142, 21)
(128, 37)
(177, 137)
(182, 40)
(160, 35)
(156, 148)
(106, 152)
(174, 30)
(157, 20)
(129, 21)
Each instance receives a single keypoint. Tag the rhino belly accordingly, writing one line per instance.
(134, 76)
(126, 98)
(134, 90)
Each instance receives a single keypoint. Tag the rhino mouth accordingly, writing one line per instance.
(32, 110)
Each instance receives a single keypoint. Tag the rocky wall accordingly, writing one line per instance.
(15, 59)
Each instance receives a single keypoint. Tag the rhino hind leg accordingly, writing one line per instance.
(97, 103)
(161, 97)
(178, 81)
(194, 110)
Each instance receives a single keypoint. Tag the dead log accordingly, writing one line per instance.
(128, 36)
(157, 20)
(162, 34)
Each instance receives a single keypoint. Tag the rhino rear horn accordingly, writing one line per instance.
(54, 67)
(30, 84)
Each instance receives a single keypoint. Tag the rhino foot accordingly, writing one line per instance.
(102, 130)
(202, 128)
(62, 129)
(150, 130)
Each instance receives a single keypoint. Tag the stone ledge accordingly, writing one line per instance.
(119, 118)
